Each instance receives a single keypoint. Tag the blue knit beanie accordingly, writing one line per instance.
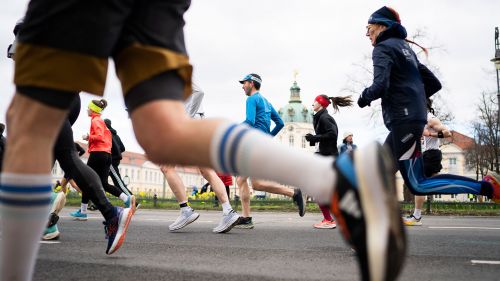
(385, 16)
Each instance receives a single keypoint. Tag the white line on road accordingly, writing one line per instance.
(485, 262)
(465, 227)
(49, 242)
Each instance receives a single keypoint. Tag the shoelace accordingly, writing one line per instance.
(109, 229)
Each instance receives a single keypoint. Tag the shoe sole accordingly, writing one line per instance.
(325, 227)
(80, 219)
(412, 223)
(191, 219)
(51, 236)
(228, 226)
(381, 212)
(242, 226)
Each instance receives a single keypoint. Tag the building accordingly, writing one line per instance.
(298, 122)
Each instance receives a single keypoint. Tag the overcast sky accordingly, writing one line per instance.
(322, 40)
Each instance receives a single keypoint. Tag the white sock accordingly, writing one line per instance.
(226, 208)
(417, 213)
(83, 208)
(239, 150)
(124, 197)
(24, 209)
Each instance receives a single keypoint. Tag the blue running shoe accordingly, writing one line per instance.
(51, 233)
(78, 215)
(116, 228)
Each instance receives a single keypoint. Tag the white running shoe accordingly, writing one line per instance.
(186, 217)
(227, 222)
(412, 221)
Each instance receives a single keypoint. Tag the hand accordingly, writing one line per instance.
(362, 102)
(309, 137)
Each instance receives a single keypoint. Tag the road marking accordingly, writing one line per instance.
(465, 227)
(49, 242)
(485, 262)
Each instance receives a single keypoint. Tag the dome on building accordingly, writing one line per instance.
(295, 111)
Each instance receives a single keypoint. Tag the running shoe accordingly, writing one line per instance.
(412, 221)
(496, 187)
(366, 208)
(51, 233)
(78, 215)
(244, 223)
(116, 228)
(325, 224)
(187, 216)
(227, 222)
(300, 199)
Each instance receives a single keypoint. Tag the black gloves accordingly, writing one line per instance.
(312, 139)
(362, 102)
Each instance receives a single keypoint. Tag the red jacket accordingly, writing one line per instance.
(100, 136)
(226, 179)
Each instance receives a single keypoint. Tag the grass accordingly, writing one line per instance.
(270, 205)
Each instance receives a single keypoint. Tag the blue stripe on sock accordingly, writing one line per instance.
(234, 148)
(222, 147)
(24, 189)
(345, 166)
(24, 202)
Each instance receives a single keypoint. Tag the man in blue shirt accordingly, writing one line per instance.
(259, 113)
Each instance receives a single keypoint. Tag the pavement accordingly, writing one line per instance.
(282, 246)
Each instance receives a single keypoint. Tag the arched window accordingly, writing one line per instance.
(303, 142)
(291, 140)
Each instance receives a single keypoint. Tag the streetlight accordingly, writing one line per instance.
(496, 61)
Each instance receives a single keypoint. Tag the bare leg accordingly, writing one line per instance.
(74, 185)
(33, 128)
(175, 183)
(242, 183)
(271, 187)
(419, 202)
(216, 183)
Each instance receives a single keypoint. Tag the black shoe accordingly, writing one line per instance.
(300, 199)
(366, 208)
(53, 219)
(244, 223)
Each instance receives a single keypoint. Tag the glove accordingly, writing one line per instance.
(312, 139)
(362, 102)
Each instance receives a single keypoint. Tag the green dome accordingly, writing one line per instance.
(295, 111)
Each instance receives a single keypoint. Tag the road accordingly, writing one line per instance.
(282, 246)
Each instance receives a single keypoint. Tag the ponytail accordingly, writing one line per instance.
(340, 102)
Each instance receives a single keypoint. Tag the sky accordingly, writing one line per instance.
(323, 40)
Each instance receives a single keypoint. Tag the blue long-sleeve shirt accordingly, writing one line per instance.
(260, 112)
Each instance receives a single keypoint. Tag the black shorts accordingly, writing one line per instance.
(65, 45)
(432, 162)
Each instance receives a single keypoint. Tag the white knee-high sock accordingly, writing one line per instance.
(240, 150)
(24, 209)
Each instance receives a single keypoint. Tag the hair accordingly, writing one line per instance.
(102, 103)
(338, 102)
(429, 106)
(255, 83)
(2, 128)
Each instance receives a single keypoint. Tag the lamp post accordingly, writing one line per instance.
(496, 61)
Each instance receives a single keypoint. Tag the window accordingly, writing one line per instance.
(133, 173)
(452, 161)
(291, 141)
(303, 142)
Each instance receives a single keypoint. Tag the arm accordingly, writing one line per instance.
(431, 83)
(442, 131)
(331, 131)
(382, 64)
(192, 104)
(251, 111)
(277, 121)
(96, 130)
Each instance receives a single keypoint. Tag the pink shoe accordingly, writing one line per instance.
(496, 187)
(325, 224)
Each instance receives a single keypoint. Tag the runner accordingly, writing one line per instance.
(259, 113)
(403, 84)
(325, 140)
(77, 52)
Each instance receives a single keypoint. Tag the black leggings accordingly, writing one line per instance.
(88, 181)
(100, 162)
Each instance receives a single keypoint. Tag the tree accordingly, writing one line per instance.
(485, 155)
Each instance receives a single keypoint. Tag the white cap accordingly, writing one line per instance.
(346, 134)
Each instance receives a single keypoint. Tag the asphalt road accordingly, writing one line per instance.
(282, 246)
